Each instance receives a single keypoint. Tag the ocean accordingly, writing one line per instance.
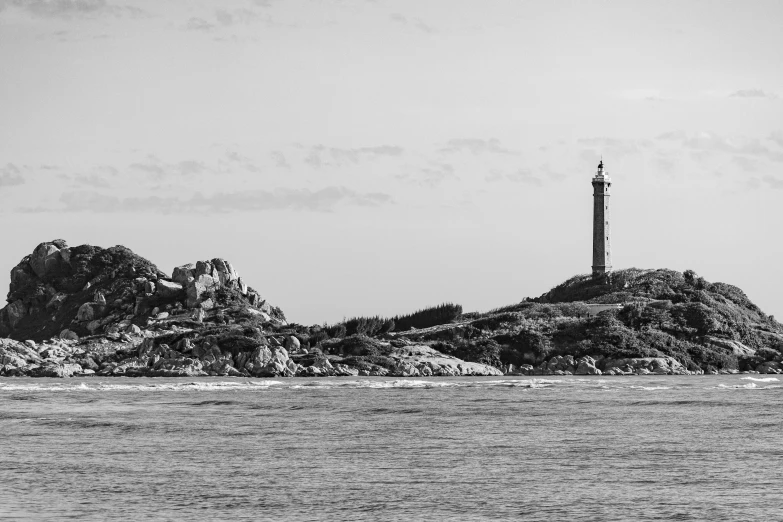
(469, 448)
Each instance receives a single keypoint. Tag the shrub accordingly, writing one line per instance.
(492, 322)
(427, 317)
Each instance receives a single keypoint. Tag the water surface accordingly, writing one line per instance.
(468, 448)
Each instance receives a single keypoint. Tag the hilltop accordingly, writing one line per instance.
(90, 310)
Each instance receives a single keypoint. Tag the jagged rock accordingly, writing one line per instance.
(562, 363)
(57, 300)
(659, 365)
(268, 361)
(586, 366)
(405, 369)
(53, 369)
(736, 347)
(194, 291)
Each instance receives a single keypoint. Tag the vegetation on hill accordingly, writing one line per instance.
(705, 326)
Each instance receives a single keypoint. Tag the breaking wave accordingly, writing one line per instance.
(637, 384)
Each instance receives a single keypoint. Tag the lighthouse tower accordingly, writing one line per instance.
(602, 246)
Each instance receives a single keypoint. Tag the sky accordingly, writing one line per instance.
(374, 157)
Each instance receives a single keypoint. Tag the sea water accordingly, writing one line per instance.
(471, 448)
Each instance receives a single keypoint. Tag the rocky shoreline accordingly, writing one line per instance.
(130, 355)
(86, 310)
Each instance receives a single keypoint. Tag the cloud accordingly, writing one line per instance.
(151, 168)
(752, 93)
(476, 146)
(279, 159)
(247, 163)
(90, 180)
(641, 95)
(430, 176)
(190, 167)
(664, 164)
(552, 174)
(745, 164)
(611, 146)
(323, 200)
(340, 156)
(520, 176)
(236, 16)
(710, 142)
(157, 169)
(197, 24)
(777, 138)
(773, 182)
(75, 8)
(672, 136)
(10, 175)
(314, 157)
(415, 23)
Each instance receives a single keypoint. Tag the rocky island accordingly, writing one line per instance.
(87, 310)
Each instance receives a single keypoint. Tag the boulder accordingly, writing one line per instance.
(292, 343)
(586, 366)
(20, 277)
(55, 369)
(169, 289)
(406, 369)
(225, 272)
(16, 311)
(69, 335)
(89, 312)
(266, 361)
(183, 274)
(45, 257)
(204, 268)
(194, 292)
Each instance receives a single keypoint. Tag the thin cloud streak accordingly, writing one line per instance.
(327, 199)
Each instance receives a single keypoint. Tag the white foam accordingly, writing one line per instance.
(748, 386)
(761, 379)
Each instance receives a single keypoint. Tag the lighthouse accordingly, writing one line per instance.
(602, 245)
